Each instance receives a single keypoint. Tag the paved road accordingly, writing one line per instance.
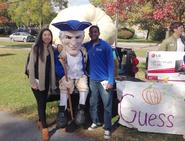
(149, 46)
(120, 44)
(136, 45)
(5, 39)
(13, 128)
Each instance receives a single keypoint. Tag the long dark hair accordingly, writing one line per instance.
(175, 25)
(39, 45)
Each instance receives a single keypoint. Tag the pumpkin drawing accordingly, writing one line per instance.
(152, 95)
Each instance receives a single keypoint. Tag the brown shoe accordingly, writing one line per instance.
(39, 125)
(45, 134)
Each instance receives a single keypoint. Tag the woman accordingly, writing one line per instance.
(176, 41)
(42, 75)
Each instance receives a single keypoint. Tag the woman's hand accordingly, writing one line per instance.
(35, 86)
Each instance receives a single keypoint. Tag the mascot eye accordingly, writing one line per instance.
(78, 37)
(68, 37)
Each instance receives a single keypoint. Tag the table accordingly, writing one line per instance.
(152, 106)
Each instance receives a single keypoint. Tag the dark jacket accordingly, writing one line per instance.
(59, 70)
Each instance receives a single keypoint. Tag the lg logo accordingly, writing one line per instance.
(155, 55)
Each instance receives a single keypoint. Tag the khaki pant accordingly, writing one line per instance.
(80, 84)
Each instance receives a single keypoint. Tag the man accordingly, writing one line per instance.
(101, 74)
(73, 58)
(176, 41)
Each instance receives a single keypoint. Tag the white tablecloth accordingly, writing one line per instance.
(152, 107)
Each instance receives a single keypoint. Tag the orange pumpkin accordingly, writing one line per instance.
(152, 95)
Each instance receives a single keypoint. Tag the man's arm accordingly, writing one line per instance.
(110, 61)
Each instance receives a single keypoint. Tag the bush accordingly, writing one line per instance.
(125, 33)
(158, 34)
(7, 29)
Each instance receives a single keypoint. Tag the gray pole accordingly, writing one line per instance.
(116, 23)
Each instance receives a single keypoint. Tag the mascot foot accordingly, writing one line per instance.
(80, 116)
(61, 118)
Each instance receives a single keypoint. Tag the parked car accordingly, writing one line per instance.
(22, 37)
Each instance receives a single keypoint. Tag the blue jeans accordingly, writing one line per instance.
(97, 91)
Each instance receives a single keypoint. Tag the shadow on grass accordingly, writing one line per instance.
(6, 54)
(28, 111)
(115, 126)
(17, 46)
(130, 134)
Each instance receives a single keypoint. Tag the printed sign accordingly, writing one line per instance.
(152, 107)
(166, 65)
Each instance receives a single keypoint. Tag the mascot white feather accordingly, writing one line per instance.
(89, 13)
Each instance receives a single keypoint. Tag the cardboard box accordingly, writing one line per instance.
(166, 66)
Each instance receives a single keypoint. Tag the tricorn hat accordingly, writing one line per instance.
(74, 25)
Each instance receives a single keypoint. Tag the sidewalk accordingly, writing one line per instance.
(135, 45)
(13, 128)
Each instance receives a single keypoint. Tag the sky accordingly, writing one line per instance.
(77, 2)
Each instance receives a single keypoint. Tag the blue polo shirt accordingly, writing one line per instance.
(101, 61)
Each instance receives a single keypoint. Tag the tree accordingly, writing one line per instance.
(98, 3)
(179, 9)
(150, 14)
(120, 7)
(164, 12)
(60, 3)
(3, 12)
(31, 12)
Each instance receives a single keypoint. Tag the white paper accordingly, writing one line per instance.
(104, 84)
(37, 81)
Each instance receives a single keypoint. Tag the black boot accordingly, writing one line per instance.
(61, 118)
(80, 116)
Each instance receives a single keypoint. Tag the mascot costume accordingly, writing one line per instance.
(73, 58)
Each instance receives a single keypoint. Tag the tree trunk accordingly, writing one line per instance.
(167, 33)
(40, 23)
(148, 33)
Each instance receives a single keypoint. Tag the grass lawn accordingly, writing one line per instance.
(17, 97)
(15, 92)
(137, 40)
(16, 44)
(141, 52)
